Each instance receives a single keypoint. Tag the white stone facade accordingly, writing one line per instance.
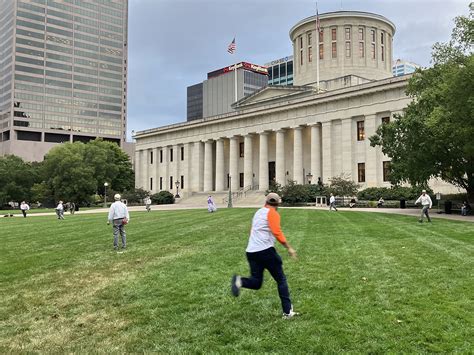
(281, 133)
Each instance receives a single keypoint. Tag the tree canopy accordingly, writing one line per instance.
(16, 178)
(434, 137)
(75, 171)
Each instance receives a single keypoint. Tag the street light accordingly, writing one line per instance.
(229, 202)
(177, 187)
(105, 194)
(309, 176)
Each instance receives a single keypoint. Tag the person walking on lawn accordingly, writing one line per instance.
(261, 254)
(426, 204)
(119, 216)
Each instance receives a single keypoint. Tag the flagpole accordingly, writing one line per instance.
(235, 79)
(317, 47)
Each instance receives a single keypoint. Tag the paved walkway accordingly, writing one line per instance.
(408, 211)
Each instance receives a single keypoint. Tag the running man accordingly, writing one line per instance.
(261, 254)
(425, 204)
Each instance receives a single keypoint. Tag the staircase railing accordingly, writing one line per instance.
(242, 192)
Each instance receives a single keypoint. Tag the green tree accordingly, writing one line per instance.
(342, 186)
(16, 179)
(434, 135)
(77, 171)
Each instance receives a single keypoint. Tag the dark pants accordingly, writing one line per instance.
(24, 213)
(270, 260)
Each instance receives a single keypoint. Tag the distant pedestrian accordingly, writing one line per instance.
(60, 210)
(381, 202)
(24, 207)
(119, 216)
(465, 208)
(72, 207)
(261, 254)
(332, 203)
(148, 204)
(426, 204)
(211, 206)
(352, 203)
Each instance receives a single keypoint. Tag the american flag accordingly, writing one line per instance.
(232, 47)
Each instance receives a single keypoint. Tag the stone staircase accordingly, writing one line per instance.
(241, 198)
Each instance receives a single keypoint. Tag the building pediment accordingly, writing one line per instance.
(273, 94)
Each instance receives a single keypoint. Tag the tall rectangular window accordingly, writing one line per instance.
(161, 155)
(241, 180)
(382, 53)
(182, 153)
(310, 54)
(321, 35)
(310, 38)
(386, 170)
(361, 33)
(347, 33)
(334, 50)
(321, 51)
(171, 154)
(301, 42)
(372, 36)
(382, 38)
(161, 183)
(361, 172)
(151, 183)
(151, 157)
(348, 49)
(241, 149)
(171, 183)
(301, 56)
(360, 131)
(361, 50)
(182, 182)
(372, 51)
(333, 34)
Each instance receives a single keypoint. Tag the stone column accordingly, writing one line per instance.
(233, 163)
(372, 161)
(166, 179)
(326, 142)
(346, 145)
(197, 167)
(248, 159)
(208, 183)
(298, 156)
(263, 162)
(187, 167)
(315, 152)
(220, 178)
(176, 159)
(144, 168)
(136, 166)
(156, 174)
(280, 157)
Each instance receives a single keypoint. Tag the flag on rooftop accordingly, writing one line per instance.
(232, 47)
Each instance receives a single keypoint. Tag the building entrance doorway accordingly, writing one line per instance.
(271, 172)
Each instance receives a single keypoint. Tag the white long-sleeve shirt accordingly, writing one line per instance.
(24, 207)
(425, 200)
(118, 210)
(332, 199)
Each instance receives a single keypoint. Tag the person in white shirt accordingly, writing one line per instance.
(426, 204)
(332, 203)
(24, 207)
(148, 204)
(60, 210)
(119, 216)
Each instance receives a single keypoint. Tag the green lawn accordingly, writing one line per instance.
(364, 283)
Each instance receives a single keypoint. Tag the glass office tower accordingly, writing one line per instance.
(63, 73)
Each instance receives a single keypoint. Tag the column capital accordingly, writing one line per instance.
(297, 128)
(279, 130)
(262, 133)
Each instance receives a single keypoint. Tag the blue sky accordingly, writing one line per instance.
(174, 43)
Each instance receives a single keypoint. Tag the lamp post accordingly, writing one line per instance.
(105, 193)
(309, 176)
(229, 202)
(177, 187)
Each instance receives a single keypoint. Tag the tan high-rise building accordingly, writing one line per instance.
(63, 73)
